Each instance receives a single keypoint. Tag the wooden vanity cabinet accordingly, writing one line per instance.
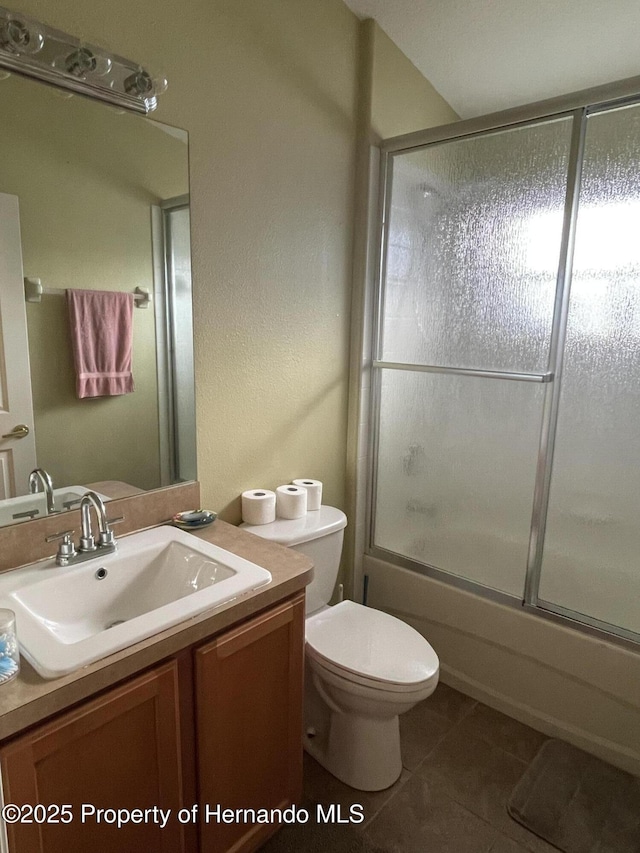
(121, 750)
(249, 724)
(223, 719)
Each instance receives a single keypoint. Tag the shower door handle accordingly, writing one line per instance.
(20, 431)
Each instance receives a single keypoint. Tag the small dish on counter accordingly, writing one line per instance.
(193, 519)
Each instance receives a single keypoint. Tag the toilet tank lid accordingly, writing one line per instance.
(295, 531)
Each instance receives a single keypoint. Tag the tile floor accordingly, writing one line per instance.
(461, 762)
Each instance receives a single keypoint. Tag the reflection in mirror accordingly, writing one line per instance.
(91, 199)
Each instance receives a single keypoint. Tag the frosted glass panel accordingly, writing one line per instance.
(473, 249)
(456, 469)
(591, 558)
(178, 226)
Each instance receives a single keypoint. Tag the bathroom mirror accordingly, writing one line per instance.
(91, 198)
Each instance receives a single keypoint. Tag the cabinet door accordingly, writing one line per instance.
(121, 750)
(249, 723)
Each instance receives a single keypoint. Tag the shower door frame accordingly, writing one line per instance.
(166, 346)
(578, 106)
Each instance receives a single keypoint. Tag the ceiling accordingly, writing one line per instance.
(487, 55)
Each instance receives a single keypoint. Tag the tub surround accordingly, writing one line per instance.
(29, 698)
(563, 682)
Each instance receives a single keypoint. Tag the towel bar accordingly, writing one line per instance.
(34, 291)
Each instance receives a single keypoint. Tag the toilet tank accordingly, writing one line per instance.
(318, 535)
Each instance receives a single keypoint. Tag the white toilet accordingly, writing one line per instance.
(363, 667)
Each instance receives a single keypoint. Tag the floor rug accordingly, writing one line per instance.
(577, 802)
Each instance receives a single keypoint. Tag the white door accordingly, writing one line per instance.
(17, 440)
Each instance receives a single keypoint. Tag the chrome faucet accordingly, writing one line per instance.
(88, 548)
(87, 539)
(40, 476)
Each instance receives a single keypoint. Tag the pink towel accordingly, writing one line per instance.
(101, 324)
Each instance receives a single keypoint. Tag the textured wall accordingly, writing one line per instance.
(394, 99)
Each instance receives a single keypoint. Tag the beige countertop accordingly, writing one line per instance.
(29, 698)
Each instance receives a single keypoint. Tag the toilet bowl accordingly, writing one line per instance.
(363, 667)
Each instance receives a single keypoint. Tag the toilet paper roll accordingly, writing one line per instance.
(291, 501)
(258, 506)
(314, 492)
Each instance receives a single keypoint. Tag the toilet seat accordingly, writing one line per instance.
(370, 648)
(403, 692)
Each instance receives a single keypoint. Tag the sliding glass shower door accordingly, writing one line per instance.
(506, 368)
(466, 320)
(591, 557)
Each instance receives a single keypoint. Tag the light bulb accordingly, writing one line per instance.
(20, 36)
(160, 83)
(139, 83)
(144, 84)
(84, 62)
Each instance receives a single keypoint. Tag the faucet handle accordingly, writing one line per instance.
(66, 549)
(106, 537)
(65, 534)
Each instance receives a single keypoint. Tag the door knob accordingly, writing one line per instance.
(20, 431)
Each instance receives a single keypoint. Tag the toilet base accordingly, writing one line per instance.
(362, 752)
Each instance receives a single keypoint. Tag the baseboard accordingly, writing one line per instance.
(614, 753)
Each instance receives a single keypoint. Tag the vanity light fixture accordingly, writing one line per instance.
(33, 49)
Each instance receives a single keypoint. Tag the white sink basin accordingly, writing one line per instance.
(69, 617)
